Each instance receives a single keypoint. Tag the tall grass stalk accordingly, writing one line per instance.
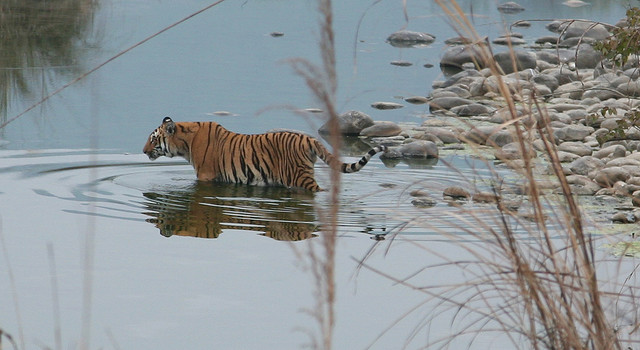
(322, 82)
(538, 290)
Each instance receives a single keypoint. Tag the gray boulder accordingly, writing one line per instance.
(457, 56)
(447, 103)
(419, 149)
(574, 132)
(577, 148)
(472, 109)
(608, 176)
(586, 165)
(381, 129)
(584, 28)
(349, 123)
(523, 60)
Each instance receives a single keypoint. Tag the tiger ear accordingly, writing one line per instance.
(169, 125)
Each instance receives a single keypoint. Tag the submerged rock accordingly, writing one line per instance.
(424, 202)
(510, 8)
(419, 149)
(386, 105)
(407, 38)
(455, 192)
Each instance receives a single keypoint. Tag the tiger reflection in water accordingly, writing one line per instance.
(206, 210)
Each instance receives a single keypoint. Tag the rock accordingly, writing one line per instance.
(608, 176)
(512, 151)
(382, 129)
(575, 29)
(386, 105)
(417, 100)
(508, 40)
(588, 57)
(479, 134)
(447, 103)
(621, 189)
(586, 165)
(419, 149)
(602, 93)
(485, 197)
(407, 38)
(629, 89)
(563, 107)
(455, 192)
(623, 218)
(613, 151)
(443, 134)
(459, 40)
(577, 148)
(500, 138)
(392, 153)
(464, 77)
(390, 141)
(457, 56)
(575, 132)
(566, 157)
(575, 3)
(549, 39)
(401, 63)
(424, 202)
(472, 109)
(521, 24)
(547, 80)
(350, 123)
(635, 199)
(523, 59)
(623, 161)
(510, 8)
(419, 193)
(582, 185)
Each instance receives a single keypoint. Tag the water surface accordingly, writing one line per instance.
(179, 264)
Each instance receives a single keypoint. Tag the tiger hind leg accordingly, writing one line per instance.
(305, 179)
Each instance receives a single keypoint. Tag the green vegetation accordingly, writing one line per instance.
(623, 45)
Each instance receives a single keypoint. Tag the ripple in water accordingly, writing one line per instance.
(374, 201)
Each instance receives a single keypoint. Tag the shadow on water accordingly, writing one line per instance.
(40, 39)
(206, 210)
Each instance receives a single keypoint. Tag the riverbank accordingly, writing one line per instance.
(559, 81)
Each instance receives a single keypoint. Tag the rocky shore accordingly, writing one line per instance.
(563, 76)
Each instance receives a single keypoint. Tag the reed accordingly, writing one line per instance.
(322, 82)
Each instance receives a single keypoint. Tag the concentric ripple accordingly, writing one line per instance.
(375, 201)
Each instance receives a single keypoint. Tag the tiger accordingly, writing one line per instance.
(282, 158)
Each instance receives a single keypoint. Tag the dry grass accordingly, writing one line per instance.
(323, 84)
(540, 290)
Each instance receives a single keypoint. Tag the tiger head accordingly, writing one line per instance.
(159, 143)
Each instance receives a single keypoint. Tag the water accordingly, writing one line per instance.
(178, 264)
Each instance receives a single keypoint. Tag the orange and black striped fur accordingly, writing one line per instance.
(279, 158)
